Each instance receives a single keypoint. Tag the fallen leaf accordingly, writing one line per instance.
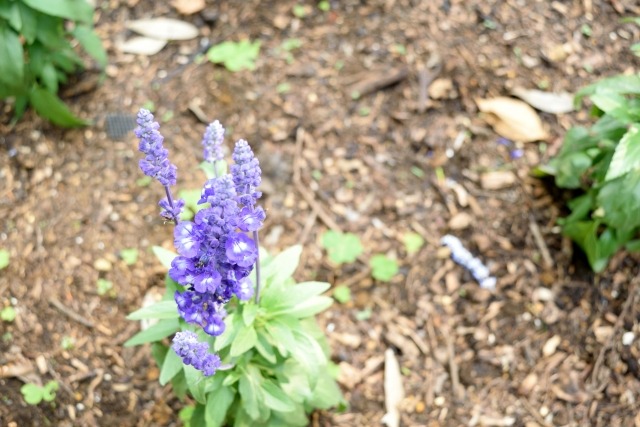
(513, 119)
(442, 88)
(551, 345)
(142, 46)
(164, 28)
(549, 102)
(460, 221)
(188, 7)
(393, 391)
(497, 180)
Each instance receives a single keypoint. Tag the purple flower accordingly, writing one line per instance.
(186, 239)
(195, 353)
(251, 219)
(244, 289)
(212, 142)
(246, 174)
(156, 163)
(241, 250)
(171, 212)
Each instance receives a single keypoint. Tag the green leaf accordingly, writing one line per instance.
(218, 403)
(342, 294)
(244, 341)
(627, 155)
(165, 256)
(280, 331)
(383, 268)
(283, 265)
(412, 242)
(308, 352)
(620, 199)
(249, 313)
(570, 168)
(32, 393)
(29, 19)
(341, 248)
(91, 43)
(326, 394)
(11, 12)
(308, 307)
(265, 349)
(289, 296)
(74, 10)
(191, 198)
(235, 56)
(8, 314)
(160, 330)
(622, 84)
(49, 391)
(195, 383)
(12, 63)
(129, 256)
(49, 78)
(597, 249)
(275, 398)
(250, 391)
(233, 323)
(4, 258)
(52, 108)
(160, 310)
(171, 365)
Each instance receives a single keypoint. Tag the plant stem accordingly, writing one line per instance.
(167, 190)
(255, 239)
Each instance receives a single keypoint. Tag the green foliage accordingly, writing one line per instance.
(191, 198)
(34, 394)
(129, 256)
(342, 294)
(602, 164)
(67, 342)
(235, 56)
(8, 314)
(383, 268)
(278, 356)
(104, 287)
(413, 242)
(4, 258)
(341, 247)
(37, 54)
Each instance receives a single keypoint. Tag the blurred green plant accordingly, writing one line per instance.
(341, 247)
(413, 242)
(602, 165)
(104, 287)
(342, 294)
(129, 255)
(235, 56)
(4, 258)
(8, 314)
(383, 268)
(34, 394)
(37, 55)
(635, 48)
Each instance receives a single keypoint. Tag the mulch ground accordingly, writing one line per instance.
(544, 349)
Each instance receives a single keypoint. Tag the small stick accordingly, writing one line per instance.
(453, 367)
(542, 246)
(376, 82)
(532, 411)
(70, 313)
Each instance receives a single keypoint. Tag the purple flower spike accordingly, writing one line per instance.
(195, 353)
(241, 250)
(251, 220)
(212, 142)
(156, 163)
(246, 174)
(244, 289)
(186, 239)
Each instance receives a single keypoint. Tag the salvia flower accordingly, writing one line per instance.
(195, 353)
(462, 256)
(212, 142)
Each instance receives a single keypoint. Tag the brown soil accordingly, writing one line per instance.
(544, 349)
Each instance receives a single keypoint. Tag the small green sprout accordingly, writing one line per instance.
(342, 294)
(67, 342)
(383, 268)
(341, 248)
(104, 286)
(129, 255)
(8, 314)
(324, 6)
(412, 242)
(4, 258)
(34, 394)
(235, 56)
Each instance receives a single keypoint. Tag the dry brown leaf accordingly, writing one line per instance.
(164, 28)
(513, 119)
(549, 102)
(142, 46)
(188, 7)
(496, 180)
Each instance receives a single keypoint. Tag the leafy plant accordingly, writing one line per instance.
(129, 255)
(104, 287)
(235, 56)
(268, 364)
(37, 54)
(342, 294)
(383, 268)
(602, 165)
(412, 242)
(34, 394)
(8, 314)
(4, 258)
(341, 247)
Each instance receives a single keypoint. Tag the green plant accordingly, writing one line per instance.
(235, 56)
(129, 255)
(277, 356)
(342, 294)
(67, 342)
(8, 314)
(34, 394)
(341, 247)
(635, 48)
(383, 268)
(37, 54)
(4, 258)
(104, 287)
(602, 165)
(412, 242)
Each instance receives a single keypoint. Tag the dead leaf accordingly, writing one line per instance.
(496, 180)
(188, 7)
(163, 29)
(460, 220)
(142, 46)
(393, 391)
(551, 345)
(513, 119)
(442, 88)
(549, 102)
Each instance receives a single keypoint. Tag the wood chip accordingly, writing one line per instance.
(393, 390)
(497, 180)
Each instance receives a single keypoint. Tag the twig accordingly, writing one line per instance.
(425, 78)
(378, 80)
(542, 246)
(70, 313)
(453, 367)
(532, 411)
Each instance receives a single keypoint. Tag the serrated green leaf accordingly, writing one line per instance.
(160, 330)
(195, 383)
(12, 63)
(622, 84)
(160, 310)
(74, 10)
(383, 268)
(91, 43)
(165, 256)
(218, 403)
(627, 155)
(171, 365)
(4, 258)
(52, 108)
(244, 341)
(275, 398)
